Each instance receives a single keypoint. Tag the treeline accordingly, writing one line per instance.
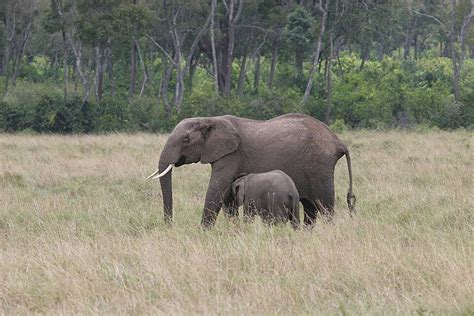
(108, 65)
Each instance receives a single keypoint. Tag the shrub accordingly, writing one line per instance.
(383, 94)
(53, 114)
(113, 115)
(338, 126)
(15, 116)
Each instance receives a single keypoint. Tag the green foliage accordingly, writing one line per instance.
(38, 69)
(389, 93)
(15, 117)
(338, 126)
(299, 28)
(399, 93)
(131, 20)
(265, 106)
(52, 114)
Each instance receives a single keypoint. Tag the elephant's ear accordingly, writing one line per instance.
(238, 189)
(222, 139)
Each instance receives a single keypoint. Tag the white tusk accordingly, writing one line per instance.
(155, 176)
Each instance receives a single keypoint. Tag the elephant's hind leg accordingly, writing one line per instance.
(325, 202)
(309, 212)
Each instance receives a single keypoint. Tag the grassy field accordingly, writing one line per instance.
(81, 231)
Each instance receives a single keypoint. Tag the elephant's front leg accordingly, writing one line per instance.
(221, 179)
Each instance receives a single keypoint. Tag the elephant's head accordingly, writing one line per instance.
(193, 140)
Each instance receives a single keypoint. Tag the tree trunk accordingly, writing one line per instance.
(325, 68)
(299, 62)
(460, 62)
(84, 79)
(9, 33)
(407, 45)
(364, 57)
(256, 82)
(192, 59)
(454, 55)
(143, 64)
(213, 44)
(227, 65)
(415, 46)
(164, 88)
(309, 86)
(192, 70)
(230, 46)
(341, 70)
(111, 76)
(133, 70)
(179, 88)
(19, 57)
(327, 117)
(242, 72)
(75, 78)
(275, 45)
(99, 72)
(65, 67)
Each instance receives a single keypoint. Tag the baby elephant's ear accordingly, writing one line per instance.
(238, 190)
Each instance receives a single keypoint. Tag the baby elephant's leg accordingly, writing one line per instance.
(249, 211)
(294, 215)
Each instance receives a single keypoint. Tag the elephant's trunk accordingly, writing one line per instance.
(167, 192)
(167, 158)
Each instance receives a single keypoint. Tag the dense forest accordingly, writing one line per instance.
(129, 65)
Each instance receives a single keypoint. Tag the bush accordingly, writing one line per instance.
(261, 107)
(338, 126)
(53, 114)
(113, 114)
(15, 116)
(387, 93)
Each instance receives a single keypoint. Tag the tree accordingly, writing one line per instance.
(18, 21)
(454, 19)
(299, 31)
(322, 28)
(224, 41)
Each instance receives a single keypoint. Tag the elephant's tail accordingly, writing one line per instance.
(351, 199)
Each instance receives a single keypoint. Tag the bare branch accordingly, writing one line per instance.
(196, 42)
(239, 12)
(225, 5)
(429, 16)
(142, 62)
(161, 48)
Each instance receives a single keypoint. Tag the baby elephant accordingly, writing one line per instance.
(271, 195)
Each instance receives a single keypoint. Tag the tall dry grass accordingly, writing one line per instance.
(81, 231)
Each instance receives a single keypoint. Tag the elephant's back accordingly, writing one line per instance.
(294, 133)
(276, 183)
(313, 126)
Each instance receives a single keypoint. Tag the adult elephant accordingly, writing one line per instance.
(301, 146)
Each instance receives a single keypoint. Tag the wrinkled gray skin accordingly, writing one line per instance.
(271, 195)
(301, 146)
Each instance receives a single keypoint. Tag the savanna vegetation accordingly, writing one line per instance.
(81, 231)
(73, 66)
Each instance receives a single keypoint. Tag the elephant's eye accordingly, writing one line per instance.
(186, 139)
